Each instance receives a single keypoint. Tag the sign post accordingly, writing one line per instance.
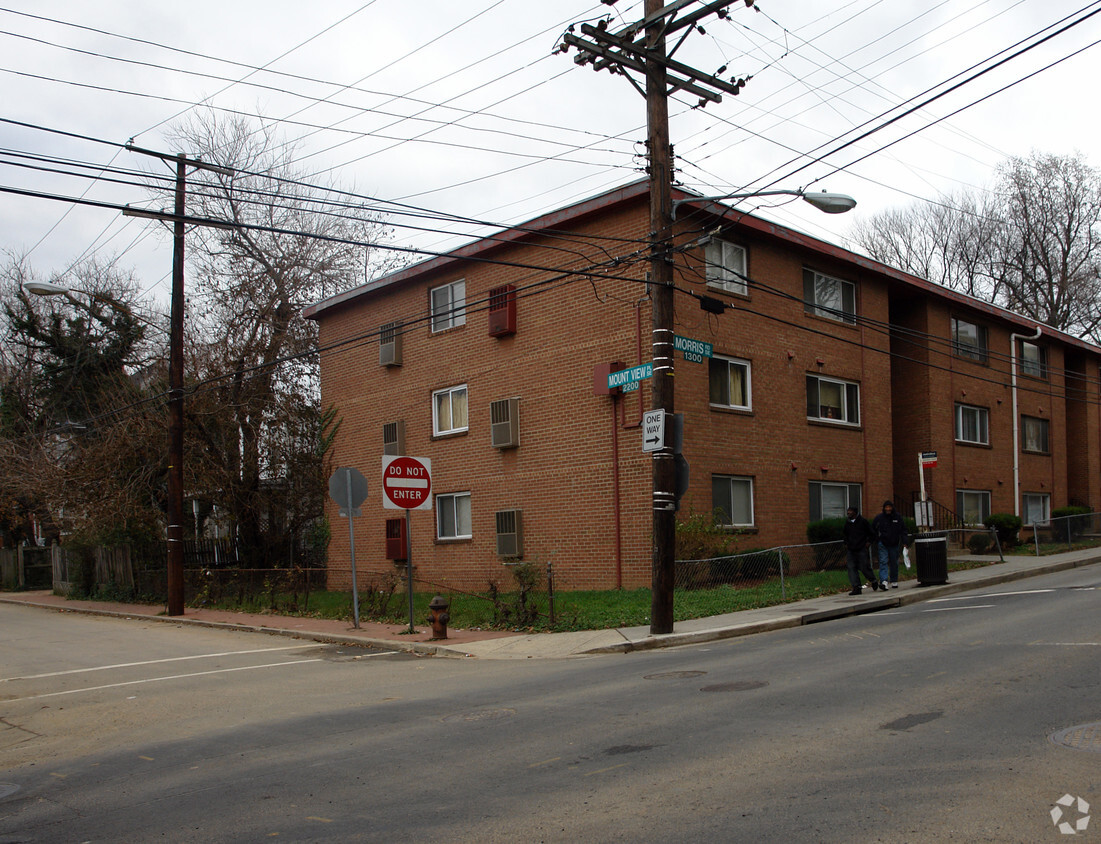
(407, 485)
(348, 488)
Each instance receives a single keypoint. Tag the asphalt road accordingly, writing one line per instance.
(927, 723)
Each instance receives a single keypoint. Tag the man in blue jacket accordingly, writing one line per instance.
(890, 533)
(858, 535)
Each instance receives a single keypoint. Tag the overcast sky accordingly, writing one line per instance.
(466, 108)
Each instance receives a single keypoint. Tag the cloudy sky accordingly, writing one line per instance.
(466, 108)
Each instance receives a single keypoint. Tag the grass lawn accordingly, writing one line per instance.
(587, 610)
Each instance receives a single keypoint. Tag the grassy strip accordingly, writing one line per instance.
(584, 610)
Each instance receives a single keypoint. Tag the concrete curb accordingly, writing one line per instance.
(915, 595)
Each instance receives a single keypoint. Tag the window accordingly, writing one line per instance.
(1033, 360)
(1034, 434)
(734, 498)
(449, 410)
(972, 505)
(836, 401)
(830, 501)
(393, 437)
(448, 305)
(969, 339)
(726, 266)
(829, 297)
(1036, 509)
(729, 382)
(972, 424)
(453, 516)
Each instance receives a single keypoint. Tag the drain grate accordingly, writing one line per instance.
(1082, 737)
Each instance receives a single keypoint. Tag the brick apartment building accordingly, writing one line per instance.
(829, 373)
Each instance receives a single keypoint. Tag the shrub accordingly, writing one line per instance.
(701, 536)
(825, 530)
(1007, 526)
(1063, 512)
(979, 543)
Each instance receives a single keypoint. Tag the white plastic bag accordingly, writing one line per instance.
(906, 556)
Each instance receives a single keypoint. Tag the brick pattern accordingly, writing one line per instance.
(577, 449)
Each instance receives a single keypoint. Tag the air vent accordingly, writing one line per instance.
(389, 344)
(510, 533)
(397, 547)
(504, 417)
(502, 311)
(393, 438)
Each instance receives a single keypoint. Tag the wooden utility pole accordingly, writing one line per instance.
(624, 52)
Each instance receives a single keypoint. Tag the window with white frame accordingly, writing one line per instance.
(449, 410)
(729, 384)
(1036, 508)
(829, 297)
(1034, 434)
(453, 516)
(831, 400)
(972, 424)
(726, 266)
(1033, 360)
(732, 500)
(973, 505)
(448, 305)
(831, 500)
(969, 339)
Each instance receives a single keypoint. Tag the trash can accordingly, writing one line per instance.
(931, 560)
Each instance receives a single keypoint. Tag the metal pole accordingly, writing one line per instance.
(175, 405)
(550, 590)
(409, 565)
(352, 546)
(661, 294)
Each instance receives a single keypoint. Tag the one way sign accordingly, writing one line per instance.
(653, 430)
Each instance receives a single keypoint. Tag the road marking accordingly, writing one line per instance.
(989, 595)
(1068, 644)
(605, 770)
(150, 662)
(949, 609)
(544, 762)
(315, 818)
(160, 679)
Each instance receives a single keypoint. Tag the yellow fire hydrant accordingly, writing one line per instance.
(438, 616)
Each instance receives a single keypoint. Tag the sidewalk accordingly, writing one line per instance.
(492, 644)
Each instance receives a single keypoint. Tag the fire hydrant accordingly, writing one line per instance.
(438, 616)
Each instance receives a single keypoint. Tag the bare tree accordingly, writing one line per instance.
(291, 247)
(1030, 244)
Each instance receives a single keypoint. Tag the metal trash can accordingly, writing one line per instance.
(931, 560)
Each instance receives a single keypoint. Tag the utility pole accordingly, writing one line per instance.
(624, 52)
(175, 572)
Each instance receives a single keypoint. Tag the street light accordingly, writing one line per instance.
(829, 203)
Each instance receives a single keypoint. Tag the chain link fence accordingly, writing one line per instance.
(1067, 533)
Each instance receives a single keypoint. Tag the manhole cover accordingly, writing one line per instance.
(674, 675)
(736, 686)
(7, 789)
(1082, 737)
(481, 715)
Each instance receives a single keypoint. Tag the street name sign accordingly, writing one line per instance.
(694, 350)
(406, 483)
(625, 377)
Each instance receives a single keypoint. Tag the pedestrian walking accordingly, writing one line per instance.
(858, 535)
(892, 536)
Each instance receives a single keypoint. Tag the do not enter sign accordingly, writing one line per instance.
(406, 483)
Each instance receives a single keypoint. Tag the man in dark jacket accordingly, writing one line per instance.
(891, 534)
(858, 535)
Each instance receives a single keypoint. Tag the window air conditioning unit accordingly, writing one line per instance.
(510, 533)
(502, 311)
(397, 546)
(393, 438)
(504, 417)
(389, 344)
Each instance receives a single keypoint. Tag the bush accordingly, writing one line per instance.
(825, 530)
(1063, 512)
(1007, 526)
(979, 543)
(701, 536)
